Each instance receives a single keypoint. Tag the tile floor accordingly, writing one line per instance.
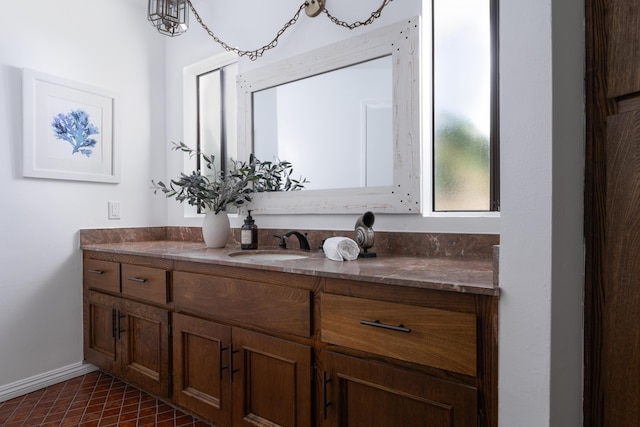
(92, 400)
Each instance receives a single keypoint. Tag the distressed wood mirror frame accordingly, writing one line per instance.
(404, 196)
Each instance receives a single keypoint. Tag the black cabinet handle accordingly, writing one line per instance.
(222, 367)
(120, 317)
(114, 323)
(325, 402)
(231, 369)
(378, 324)
(96, 271)
(137, 279)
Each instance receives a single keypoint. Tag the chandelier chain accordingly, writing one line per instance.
(252, 54)
(374, 15)
(257, 53)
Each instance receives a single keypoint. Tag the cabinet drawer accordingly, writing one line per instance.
(145, 283)
(270, 306)
(433, 337)
(103, 275)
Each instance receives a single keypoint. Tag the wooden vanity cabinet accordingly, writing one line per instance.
(125, 337)
(231, 375)
(251, 347)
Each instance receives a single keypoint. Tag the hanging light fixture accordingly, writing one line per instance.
(170, 17)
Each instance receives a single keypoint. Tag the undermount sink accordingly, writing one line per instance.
(281, 255)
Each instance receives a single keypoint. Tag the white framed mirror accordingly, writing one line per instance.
(347, 116)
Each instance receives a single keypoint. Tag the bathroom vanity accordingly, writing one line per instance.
(396, 340)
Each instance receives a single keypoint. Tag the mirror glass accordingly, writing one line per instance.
(347, 116)
(345, 111)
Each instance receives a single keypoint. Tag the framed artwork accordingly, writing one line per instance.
(67, 130)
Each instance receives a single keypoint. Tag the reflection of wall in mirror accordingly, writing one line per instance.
(323, 125)
(378, 150)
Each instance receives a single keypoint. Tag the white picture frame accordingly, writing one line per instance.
(68, 130)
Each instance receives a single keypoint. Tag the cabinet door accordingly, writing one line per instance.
(271, 381)
(201, 380)
(358, 393)
(100, 335)
(144, 343)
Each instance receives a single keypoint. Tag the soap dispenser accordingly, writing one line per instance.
(249, 234)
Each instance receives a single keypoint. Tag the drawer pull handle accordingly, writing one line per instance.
(137, 279)
(96, 271)
(378, 324)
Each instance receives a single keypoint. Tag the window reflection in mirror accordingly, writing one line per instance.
(216, 122)
(337, 127)
(210, 102)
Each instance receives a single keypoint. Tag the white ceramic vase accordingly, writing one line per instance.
(216, 229)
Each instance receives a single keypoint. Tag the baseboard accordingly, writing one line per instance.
(43, 380)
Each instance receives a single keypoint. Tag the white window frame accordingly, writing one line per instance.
(445, 221)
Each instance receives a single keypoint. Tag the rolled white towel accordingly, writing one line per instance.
(340, 248)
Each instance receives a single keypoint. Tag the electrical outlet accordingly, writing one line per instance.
(114, 210)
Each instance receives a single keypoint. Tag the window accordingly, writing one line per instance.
(465, 142)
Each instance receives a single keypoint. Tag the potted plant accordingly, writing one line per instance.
(214, 191)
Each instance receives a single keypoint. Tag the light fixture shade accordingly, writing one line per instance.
(170, 17)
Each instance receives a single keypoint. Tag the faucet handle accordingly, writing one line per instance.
(283, 241)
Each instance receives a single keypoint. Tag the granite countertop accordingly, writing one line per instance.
(474, 276)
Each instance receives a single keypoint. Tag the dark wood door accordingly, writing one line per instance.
(612, 214)
(100, 335)
(271, 382)
(144, 342)
(359, 393)
(621, 350)
(201, 381)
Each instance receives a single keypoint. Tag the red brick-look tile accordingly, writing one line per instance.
(92, 400)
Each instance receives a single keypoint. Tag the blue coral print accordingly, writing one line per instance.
(75, 128)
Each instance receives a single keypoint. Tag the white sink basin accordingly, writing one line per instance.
(268, 255)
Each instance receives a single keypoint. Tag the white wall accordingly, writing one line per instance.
(542, 159)
(541, 261)
(107, 44)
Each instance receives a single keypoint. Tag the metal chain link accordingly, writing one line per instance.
(374, 15)
(257, 53)
(252, 54)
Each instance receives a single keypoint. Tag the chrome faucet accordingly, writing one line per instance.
(304, 243)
